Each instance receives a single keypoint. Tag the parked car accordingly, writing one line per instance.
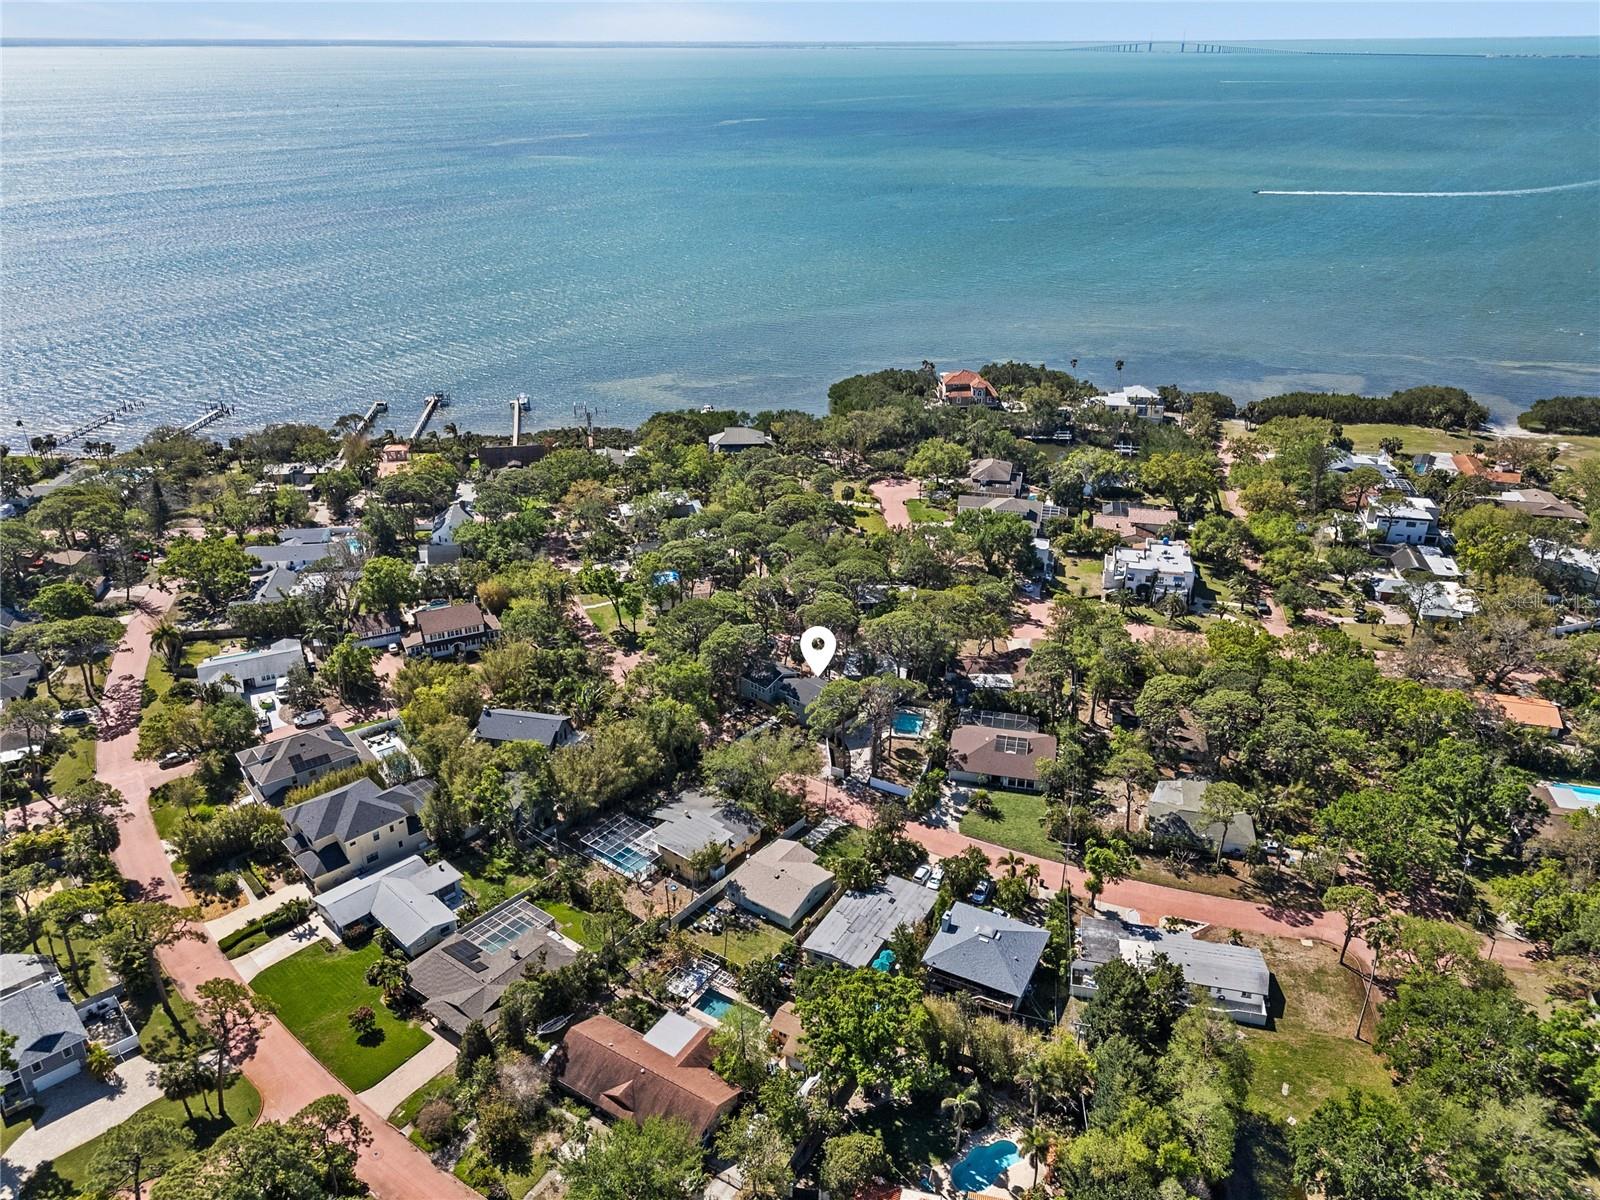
(922, 874)
(981, 893)
(936, 877)
(173, 758)
(75, 716)
(312, 716)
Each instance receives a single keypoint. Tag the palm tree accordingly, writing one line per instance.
(167, 640)
(389, 976)
(1032, 875)
(1032, 1143)
(1119, 366)
(962, 1107)
(1010, 860)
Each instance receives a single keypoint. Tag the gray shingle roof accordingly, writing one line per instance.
(459, 982)
(696, 820)
(520, 725)
(1204, 964)
(43, 1021)
(858, 925)
(988, 949)
(353, 810)
(316, 749)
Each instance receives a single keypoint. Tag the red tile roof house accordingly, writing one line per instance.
(966, 388)
(451, 629)
(632, 1076)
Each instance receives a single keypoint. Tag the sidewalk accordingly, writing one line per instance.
(282, 947)
(389, 1092)
(245, 913)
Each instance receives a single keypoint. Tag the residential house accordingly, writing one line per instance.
(1572, 563)
(1380, 462)
(355, 828)
(550, 730)
(377, 631)
(988, 954)
(696, 820)
(735, 439)
(292, 474)
(317, 535)
(1134, 522)
(856, 929)
(51, 1038)
(273, 769)
(781, 686)
(1429, 559)
(1034, 512)
(247, 670)
(1436, 599)
(1530, 712)
(1135, 401)
(990, 757)
(462, 979)
(787, 1028)
(632, 1076)
(18, 674)
(1474, 467)
(451, 629)
(780, 882)
(499, 458)
(966, 388)
(1151, 572)
(1536, 502)
(393, 458)
(441, 546)
(276, 582)
(1235, 978)
(413, 900)
(994, 477)
(1174, 811)
(1401, 520)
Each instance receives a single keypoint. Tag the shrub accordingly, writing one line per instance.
(99, 1062)
(436, 1122)
(500, 1130)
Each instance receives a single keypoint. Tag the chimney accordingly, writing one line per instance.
(948, 921)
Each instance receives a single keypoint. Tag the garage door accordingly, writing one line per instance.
(51, 1078)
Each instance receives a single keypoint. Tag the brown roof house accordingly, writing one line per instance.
(1536, 502)
(999, 758)
(1134, 522)
(450, 629)
(781, 882)
(632, 1076)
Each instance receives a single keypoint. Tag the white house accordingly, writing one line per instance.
(1150, 572)
(1135, 401)
(1235, 980)
(1379, 462)
(736, 438)
(1437, 599)
(1401, 520)
(251, 669)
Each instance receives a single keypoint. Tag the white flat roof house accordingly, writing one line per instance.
(1235, 979)
(250, 669)
(1401, 520)
(1151, 571)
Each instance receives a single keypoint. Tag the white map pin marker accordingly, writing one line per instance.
(816, 647)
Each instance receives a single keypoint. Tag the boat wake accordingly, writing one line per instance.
(1533, 191)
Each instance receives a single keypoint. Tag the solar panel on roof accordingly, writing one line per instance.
(465, 953)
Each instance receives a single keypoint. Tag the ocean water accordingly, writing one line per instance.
(299, 231)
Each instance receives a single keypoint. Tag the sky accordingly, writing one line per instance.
(798, 20)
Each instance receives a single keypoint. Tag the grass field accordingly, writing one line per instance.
(739, 946)
(923, 513)
(76, 764)
(440, 1085)
(313, 993)
(69, 1174)
(871, 522)
(574, 924)
(489, 880)
(1017, 825)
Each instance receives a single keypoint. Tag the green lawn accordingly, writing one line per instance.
(160, 679)
(313, 993)
(1017, 825)
(69, 1174)
(739, 946)
(13, 1129)
(871, 522)
(75, 766)
(923, 513)
(574, 924)
(847, 842)
(517, 1178)
(441, 1084)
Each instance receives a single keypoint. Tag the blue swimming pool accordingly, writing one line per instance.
(1573, 797)
(714, 1004)
(909, 724)
(982, 1165)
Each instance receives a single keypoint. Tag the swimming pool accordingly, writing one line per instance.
(714, 1004)
(627, 860)
(982, 1165)
(1571, 797)
(909, 724)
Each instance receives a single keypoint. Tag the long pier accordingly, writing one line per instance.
(214, 413)
(431, 405)
(518, 407)
(376, 407)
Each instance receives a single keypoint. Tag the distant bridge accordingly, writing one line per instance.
(1187, 47)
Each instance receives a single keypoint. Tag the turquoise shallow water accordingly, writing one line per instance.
(298, 231)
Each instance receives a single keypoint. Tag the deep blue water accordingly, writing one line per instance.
(299, 231)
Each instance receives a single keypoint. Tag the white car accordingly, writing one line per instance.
(312, 717)
(922, 874)
(936, 878)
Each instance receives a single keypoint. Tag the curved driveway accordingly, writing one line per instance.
(283, 1070)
